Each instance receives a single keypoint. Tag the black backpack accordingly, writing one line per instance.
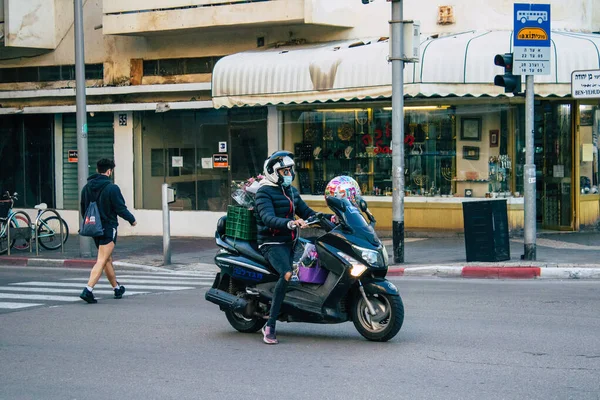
(91, 225)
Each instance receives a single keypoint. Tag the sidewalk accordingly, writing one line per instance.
(559, 256)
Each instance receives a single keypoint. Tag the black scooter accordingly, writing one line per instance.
(355, 288)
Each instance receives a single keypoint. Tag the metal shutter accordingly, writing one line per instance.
(101, 140)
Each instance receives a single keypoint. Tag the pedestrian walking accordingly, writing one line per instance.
(111, 204)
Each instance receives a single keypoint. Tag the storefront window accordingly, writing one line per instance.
(589, 121)
(179, 148)
(358, 143)
(553, 152)
(26, 151)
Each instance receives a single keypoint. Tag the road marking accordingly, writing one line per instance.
(15, 306)
(68, 290)
(152, 281)
(59, 290)
(172, 276)
(46, 297)
(101, 286)
(37, 297)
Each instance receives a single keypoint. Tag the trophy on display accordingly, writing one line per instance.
(362, 120)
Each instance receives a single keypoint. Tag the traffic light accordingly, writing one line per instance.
(511, 83)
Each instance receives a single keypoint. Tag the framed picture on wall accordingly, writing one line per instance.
(494, 137)
(470, 129)
(585, 117)
(470, 153)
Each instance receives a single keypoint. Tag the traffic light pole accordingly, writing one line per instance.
(397, 131)
(529, 176)
(85, 243)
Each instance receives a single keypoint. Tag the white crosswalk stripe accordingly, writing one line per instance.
(61, 290)
(102, 286)
(15, 306)
(156, 281)
(28, 294)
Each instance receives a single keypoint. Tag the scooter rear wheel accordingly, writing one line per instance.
(385, 324)
(242, 324)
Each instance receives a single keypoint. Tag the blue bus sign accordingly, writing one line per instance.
(531, 39)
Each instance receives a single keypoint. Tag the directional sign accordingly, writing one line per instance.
(531, 39)
(585, 84)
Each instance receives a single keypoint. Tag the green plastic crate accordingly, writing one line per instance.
(241, 223)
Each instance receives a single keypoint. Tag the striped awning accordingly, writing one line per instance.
(452, 65)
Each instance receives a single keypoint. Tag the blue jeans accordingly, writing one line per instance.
(281, 257)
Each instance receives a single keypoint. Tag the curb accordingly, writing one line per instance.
(89, 263)
(507, 271)
(491, 272)
(67, 263)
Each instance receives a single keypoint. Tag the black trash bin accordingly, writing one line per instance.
(486, 230)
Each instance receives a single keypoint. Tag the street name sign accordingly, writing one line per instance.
(531, 39)
(585, 84)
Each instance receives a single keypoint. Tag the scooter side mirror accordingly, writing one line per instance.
(362, 204)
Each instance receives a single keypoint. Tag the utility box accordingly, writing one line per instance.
(486, 230)
(411, 43)
(171, 195)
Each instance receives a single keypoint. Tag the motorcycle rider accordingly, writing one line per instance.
(277, 203)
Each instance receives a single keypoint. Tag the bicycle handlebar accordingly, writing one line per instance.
(7, 195)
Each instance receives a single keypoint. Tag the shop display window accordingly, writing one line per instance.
(589, 126)
(358, 142)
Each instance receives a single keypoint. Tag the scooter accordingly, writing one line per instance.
(355, 288)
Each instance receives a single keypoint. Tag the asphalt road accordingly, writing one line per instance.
(461, 339)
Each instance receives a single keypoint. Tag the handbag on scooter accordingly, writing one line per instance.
(309, 270)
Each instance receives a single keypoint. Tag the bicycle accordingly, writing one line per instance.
(10, 218)
(48, 229)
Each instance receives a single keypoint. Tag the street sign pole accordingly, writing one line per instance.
(531, 46)
(83, 169)
(396, 54)
(529, 175)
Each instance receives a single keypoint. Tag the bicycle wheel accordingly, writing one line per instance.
(21, 221)
(49, 232)
(4, 237)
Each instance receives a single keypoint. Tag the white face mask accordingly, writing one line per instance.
(287, 180)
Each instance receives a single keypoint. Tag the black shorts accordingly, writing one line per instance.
(110, 235)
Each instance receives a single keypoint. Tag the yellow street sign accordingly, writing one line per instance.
(532, 34)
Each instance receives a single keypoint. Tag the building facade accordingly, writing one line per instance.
(169, 82)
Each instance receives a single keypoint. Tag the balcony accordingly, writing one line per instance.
(146, 17)
(30, 28)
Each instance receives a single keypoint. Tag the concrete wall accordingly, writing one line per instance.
(39, 24)
(583, 15)
(116, 52)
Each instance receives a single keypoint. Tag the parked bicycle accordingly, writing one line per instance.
(8, 219)
(48, 228)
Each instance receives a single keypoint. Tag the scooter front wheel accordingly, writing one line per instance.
(387, 321)
(242, 324)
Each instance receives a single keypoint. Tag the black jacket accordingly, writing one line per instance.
(110, 203)
(274, 209)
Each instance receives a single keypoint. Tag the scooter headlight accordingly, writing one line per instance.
(357, 268)
(370, 256)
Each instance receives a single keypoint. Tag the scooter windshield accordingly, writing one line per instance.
(351, 218)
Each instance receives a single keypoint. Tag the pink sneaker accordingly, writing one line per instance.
(269, 335)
